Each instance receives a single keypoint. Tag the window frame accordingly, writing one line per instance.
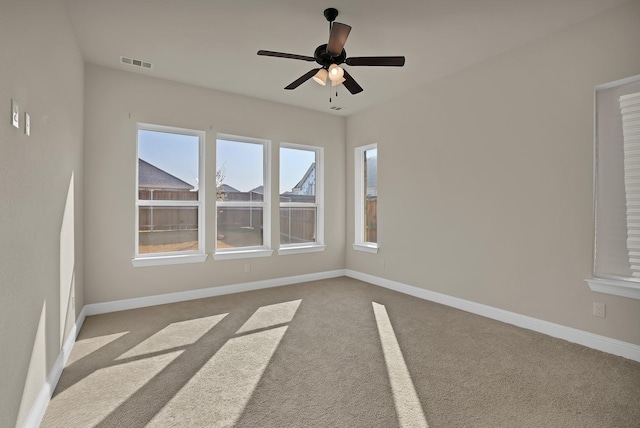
(359, 189)
(172, 257)
(265, 249)
(318, 245)
(615, 285)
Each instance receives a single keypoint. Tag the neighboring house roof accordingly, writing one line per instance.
(152, 177)
(305, 176)
(227, 189)
(259, 190)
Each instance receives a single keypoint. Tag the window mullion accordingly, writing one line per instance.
(298, 205)
(241, 204)
(165, 203)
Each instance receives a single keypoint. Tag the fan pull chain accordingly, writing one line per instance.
(330, 100)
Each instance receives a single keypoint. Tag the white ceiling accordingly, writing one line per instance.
(213, 43)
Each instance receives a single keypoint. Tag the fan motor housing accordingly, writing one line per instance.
(331, 14)
(325, 59)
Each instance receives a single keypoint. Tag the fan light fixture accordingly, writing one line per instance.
(335, 72)
(321, 77)
(331, 55)
(335, 75)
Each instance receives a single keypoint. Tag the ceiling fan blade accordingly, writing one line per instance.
(302, 79)
(351, 85)
(286, 55)
(376, 61)
(337, 38)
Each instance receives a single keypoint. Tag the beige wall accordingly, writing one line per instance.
(484, 183)
(485, 178)
(40, 197)
(115, 101)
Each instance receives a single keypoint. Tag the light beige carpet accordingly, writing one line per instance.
(333, 353)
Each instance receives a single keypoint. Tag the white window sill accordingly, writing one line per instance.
(615, 286)
(174, 259)
(242, 254)
(367, 248)
(301, 249)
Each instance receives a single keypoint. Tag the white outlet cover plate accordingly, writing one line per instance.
(15, 114)
(599, 309)
(27, 124)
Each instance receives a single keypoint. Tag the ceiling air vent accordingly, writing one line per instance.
(336, 108)
(136, 62)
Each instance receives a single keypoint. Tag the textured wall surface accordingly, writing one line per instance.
(485, 178)
(40, 197)
(115, 102)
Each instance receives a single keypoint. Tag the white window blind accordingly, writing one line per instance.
(617, 189)
(630, 111)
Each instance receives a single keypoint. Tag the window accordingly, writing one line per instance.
(242, 198)
(366, 202)
(301, 196)
(617, 189)
(169, 196)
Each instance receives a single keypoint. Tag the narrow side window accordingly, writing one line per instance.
(366, 198)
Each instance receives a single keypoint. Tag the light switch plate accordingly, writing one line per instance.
(15, 114)
(27, 124)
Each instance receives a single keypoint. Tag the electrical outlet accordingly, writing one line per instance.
(247, 268)
(599, 309)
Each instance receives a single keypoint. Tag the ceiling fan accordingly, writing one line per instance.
(331, 55)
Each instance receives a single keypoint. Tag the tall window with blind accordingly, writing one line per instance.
(617, 189)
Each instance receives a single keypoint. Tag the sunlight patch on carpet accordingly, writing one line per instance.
(271, 315)
(103, 391)
(174, 335)
(85, 347)
(406, 400)
(219, 392)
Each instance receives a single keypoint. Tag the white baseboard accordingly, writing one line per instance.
(34, 418)
(161, 299)
(590, 340)
(601, 343)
